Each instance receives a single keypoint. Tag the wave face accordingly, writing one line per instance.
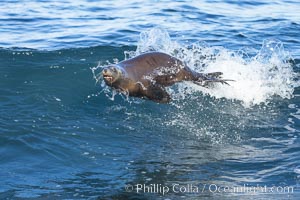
(65, 135)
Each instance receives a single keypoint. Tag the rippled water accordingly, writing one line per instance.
(64, 135)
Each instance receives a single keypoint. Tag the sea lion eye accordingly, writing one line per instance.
(114, 69)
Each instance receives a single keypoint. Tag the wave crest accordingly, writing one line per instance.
(257, 78)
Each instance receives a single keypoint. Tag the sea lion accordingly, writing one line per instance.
(147, 75)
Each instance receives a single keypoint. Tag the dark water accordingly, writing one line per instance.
(63, 137)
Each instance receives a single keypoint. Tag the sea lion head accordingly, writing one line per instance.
(111, 74)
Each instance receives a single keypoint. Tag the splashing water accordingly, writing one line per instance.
(267, 74)
(155, 39)
(256, 79)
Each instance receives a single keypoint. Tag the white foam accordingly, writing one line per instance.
(257, 78)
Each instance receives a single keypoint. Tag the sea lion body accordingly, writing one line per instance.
(148, 74)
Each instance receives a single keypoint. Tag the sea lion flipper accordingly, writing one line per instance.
(206, 83)
(214, 74)
(205, 80)
(157, 93)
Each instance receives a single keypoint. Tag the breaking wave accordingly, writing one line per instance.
(258, 76)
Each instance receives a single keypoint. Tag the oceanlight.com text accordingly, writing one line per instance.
(206, 188)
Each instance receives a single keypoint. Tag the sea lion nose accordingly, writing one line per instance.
(104, 71)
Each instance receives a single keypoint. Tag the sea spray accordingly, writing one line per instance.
(257, 78)
(221, 114)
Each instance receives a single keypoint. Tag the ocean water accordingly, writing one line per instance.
(65, 135)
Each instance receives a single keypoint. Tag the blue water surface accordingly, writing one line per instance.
(62, 137)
